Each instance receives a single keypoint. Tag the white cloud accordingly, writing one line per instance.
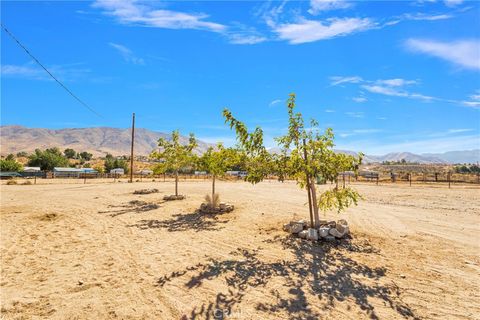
(32, 72)
(396, 82)
(127, 54)
(459, 130)
(359, 99)
(238, 38)
(274, 102)
(133, 12)
(336, 80)
(317, 6)
(329, 111)
(390, 91)
(464, 53)
(305, 30)
(453, 3)
(425, 17)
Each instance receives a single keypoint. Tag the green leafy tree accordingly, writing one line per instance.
(47, 159)
(217, 161)
(113, 163)
(22, 154)
(85, 156)
(10, 165)
(306, 154)
(174, 155)
(70, 153)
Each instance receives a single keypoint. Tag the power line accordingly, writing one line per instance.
(51, 75)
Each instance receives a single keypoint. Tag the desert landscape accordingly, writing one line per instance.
(97, 251)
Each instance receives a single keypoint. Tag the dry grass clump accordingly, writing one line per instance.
(213, 202)
(11, 182)
(26, 183)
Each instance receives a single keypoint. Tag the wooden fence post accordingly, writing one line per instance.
(448, 178)
(410, 178)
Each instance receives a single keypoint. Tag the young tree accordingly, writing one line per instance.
(217, 161)
(306, 154)
(47, 159)
(173, 155)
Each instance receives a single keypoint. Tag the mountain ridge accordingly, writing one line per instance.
(102, 140)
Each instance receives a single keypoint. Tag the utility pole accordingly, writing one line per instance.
(131, 151)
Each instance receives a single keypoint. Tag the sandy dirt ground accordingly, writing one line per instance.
(74, 251)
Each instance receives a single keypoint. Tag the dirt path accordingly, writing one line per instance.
(86, 251)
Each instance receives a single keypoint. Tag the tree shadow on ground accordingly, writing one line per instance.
(184, 221)
(323, 270)
(134, 206)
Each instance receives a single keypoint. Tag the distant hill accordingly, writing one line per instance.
(102, 140)
(97, 140)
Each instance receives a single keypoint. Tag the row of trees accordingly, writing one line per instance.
(306, 154)
(467, 169)
(52, 157)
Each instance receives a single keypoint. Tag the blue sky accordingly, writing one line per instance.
(385, 75)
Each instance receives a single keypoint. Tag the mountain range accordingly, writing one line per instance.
(103, 140)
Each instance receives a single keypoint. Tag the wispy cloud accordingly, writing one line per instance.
(396, 87)
(359, 99)
(413, 144)
(463, 53)
(355, 114)
(336, 80)
(459, 130)
(274, 102)
(305, 30)
(127, 54)
(143, 14)
(317, 6)
(425, 17)
(31, 71)
(453, 3)
(398, 82)
(390, 91)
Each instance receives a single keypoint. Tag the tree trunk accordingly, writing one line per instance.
(176, 183)
(309, 191)
(315, 205)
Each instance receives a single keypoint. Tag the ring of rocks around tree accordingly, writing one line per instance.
(328, 230)
(222, 208)
(174, 197)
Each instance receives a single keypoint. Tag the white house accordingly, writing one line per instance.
(119, 171)
(146, 172)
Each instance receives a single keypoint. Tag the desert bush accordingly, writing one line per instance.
(11, 182)
(212, 200)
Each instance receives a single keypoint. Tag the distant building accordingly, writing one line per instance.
(119, 171)
(31, 169)
(200, 173)
(32, 172)
(9, 175)
(146, 172)
(61, 172)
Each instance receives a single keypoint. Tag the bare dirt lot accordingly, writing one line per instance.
(88, 252)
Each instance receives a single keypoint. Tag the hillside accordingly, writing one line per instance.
(102, 140)
(97, 140)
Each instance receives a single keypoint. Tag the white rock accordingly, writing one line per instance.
(303, 234)
(323, 231)
(342, 228)
(296, 228)
(312, 234)
(337, 234)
